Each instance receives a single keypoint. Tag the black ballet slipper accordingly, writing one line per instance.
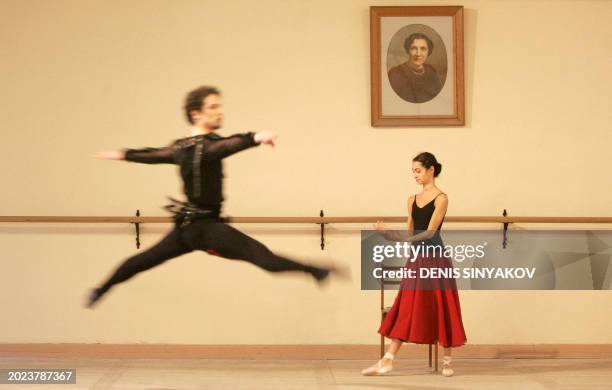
(93, 297)
(321, 274)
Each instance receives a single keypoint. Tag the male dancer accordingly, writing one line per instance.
(198, 225)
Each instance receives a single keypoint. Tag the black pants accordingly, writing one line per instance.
(212, 236)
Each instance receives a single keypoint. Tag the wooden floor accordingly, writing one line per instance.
(211, 374)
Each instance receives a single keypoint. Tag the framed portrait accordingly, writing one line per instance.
(416, 64)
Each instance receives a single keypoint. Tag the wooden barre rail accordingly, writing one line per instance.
(315, 220)
(322, 221)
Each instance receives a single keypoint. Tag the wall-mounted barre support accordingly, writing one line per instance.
(505, 214)
(137, 226)
(321, 214)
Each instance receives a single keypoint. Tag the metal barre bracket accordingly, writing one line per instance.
(137, 226)
(505, 242)
(321, 214)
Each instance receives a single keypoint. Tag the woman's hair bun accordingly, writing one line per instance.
(428, 160)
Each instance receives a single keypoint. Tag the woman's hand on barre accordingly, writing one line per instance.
(111, 155)
(265, 137)
(380, 226)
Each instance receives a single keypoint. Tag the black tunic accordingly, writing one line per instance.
(199, 158)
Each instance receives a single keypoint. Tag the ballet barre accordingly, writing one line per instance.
(321, 220)
(305, 220)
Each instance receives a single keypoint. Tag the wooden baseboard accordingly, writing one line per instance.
(301, 352)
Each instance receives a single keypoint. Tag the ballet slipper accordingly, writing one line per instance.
(322, 275)
(382, 367)
(446, 369)
(92, 298)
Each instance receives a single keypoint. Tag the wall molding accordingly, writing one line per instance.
(301, 352)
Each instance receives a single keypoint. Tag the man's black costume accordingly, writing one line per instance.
(197, 222)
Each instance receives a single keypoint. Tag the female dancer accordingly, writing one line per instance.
(198, 225)
(424, 311)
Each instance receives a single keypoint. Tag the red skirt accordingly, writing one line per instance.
(426, 311)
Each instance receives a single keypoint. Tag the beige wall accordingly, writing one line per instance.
(83, 76)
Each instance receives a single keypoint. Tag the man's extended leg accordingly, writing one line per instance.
(220, 239)
(169, 247)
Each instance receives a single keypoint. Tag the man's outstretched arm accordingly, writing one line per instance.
(163, 155)
(224, 147)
